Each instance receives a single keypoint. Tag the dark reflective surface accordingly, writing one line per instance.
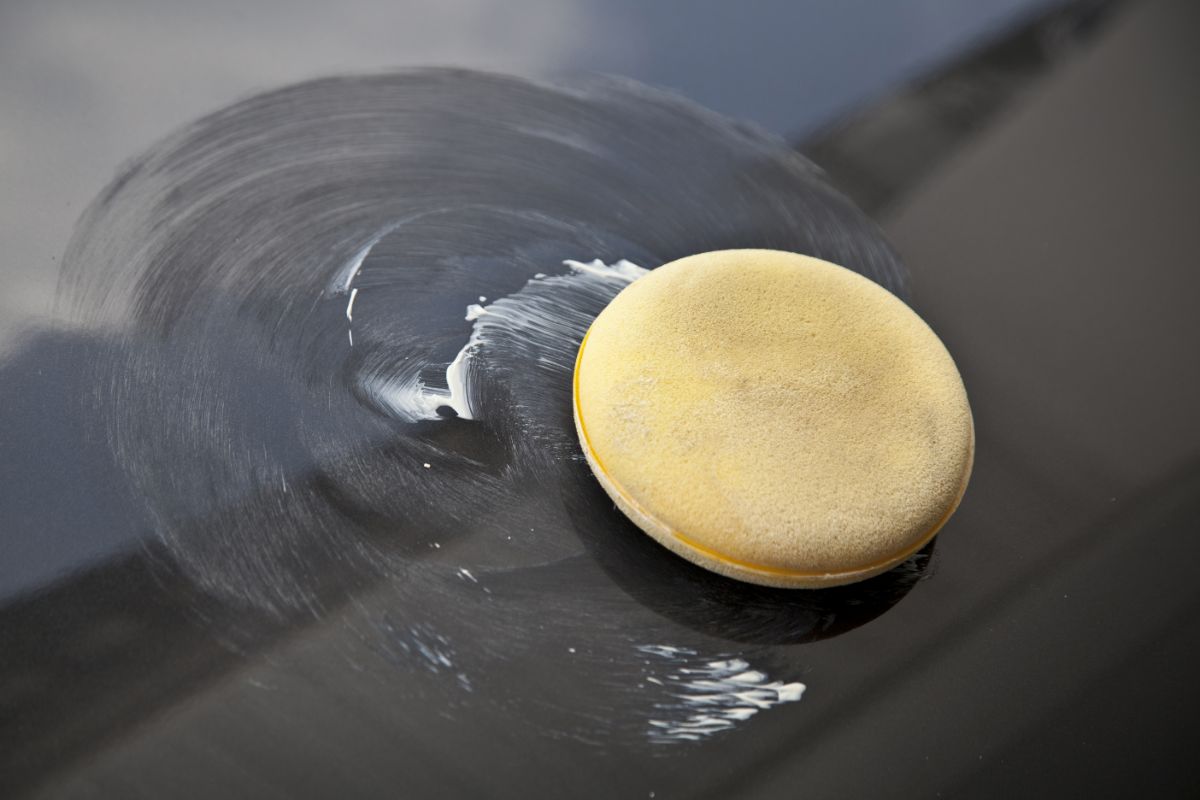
(87, 85)
(269, 595)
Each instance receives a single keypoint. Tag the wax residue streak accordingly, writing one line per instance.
(541, 313)
(707, 697)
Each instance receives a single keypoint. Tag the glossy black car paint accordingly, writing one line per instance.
(1049, 650)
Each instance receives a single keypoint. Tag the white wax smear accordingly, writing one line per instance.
(708, 696)
(539, 309)
(341, 281)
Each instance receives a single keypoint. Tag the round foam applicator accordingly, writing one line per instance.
(773, 417)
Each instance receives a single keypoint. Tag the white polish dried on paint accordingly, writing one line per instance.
(622, 272)
(407, 396)
(709, 696)
(345, 276)
(350, 314)
(456, 380)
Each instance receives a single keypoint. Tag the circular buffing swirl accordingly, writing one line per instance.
(338, 339)
(773, 417)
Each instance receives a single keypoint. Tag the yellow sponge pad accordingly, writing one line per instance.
(773, 417)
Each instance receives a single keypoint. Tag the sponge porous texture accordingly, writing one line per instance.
(773, 417)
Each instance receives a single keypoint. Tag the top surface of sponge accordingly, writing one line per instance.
(776, 411)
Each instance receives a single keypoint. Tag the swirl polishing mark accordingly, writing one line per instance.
(544, 318)
(330, 424)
